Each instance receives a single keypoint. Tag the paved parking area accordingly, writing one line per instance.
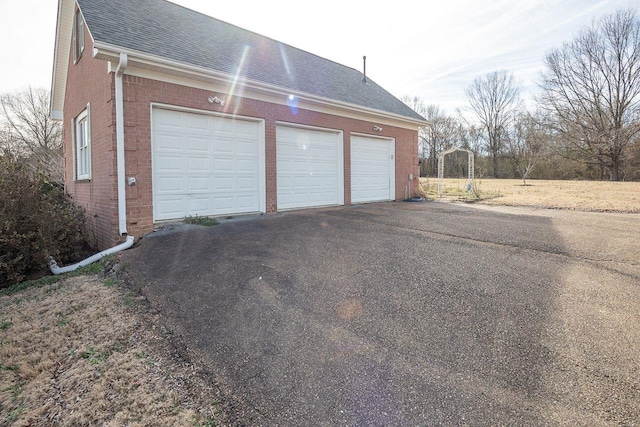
(409, 313)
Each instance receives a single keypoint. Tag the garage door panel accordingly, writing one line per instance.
(197, 185)
(325, 168)
(222, 125)
(372, 169)
(300, 166)
(379, 181)
(316, 153)
(198, 205)
(316, 197)
(167, 163)
(247, 130)
(223, 204)
(169, 185)
(205, 165)
(320, 137)
(172, 205)
(285, 199)
(222, 183)
(222, 147)
(285, 185)
(307, 198)
(222, 165)
(246, 165)
(165, 120)
(316, 182)
(309, 167)
(198, 144)
(285, 133)
(198, 164)
(285, 165)
(246, 148)
(245, 183)
(246, 201)
(197, 123)
(168, 142)
(285, 150)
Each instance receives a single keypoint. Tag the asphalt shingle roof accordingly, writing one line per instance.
(164, 29)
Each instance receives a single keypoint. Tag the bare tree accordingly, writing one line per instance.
(27, 131)
(591, 88)
(441, 133)
(470, 134)
(526, 144)
(416, 103)
(494, 98)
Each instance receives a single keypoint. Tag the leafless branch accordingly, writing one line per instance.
(27, 131)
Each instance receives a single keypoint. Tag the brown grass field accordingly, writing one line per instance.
(79, 352)
(596, 196)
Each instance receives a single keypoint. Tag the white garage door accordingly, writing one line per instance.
(372, 169)
(310, 167)
(206, 165)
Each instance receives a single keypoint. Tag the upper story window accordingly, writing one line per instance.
(78, 36)
(82, 145)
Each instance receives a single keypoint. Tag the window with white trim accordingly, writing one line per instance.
(82, 144)
(78, 36)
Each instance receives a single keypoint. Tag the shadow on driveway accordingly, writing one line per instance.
(382, 314)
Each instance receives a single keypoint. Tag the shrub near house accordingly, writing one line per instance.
(37, 220)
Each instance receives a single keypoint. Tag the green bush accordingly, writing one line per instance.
(37, 220)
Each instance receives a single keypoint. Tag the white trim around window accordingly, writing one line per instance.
(82, 145)
(78, 36)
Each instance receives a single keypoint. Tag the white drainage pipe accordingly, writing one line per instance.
(97, 257)
(120, 170)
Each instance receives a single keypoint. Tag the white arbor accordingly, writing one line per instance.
(441, 169)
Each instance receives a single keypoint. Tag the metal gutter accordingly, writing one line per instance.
(143, 60)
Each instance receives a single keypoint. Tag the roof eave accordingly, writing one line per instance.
(143, 60)
(61, 55)
(61, 58)
(55, 107)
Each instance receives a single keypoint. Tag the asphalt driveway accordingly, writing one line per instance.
(409, 314)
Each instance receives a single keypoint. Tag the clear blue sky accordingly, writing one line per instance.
(430, 49)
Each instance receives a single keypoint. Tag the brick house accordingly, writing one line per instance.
(169, 113)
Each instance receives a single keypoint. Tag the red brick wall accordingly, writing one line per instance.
(89, 83)
(140, 92)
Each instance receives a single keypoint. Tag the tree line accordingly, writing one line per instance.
(584, 122)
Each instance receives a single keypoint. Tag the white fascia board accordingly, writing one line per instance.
(56, 114)
(61, 54)
(163, 69)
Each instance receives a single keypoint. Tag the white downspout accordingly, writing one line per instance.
(53, 266)
(122, 194)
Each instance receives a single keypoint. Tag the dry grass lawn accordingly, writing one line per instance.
(81, 352)
(598, 196)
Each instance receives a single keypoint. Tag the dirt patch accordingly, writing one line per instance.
(84, 351)
(594, 196)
